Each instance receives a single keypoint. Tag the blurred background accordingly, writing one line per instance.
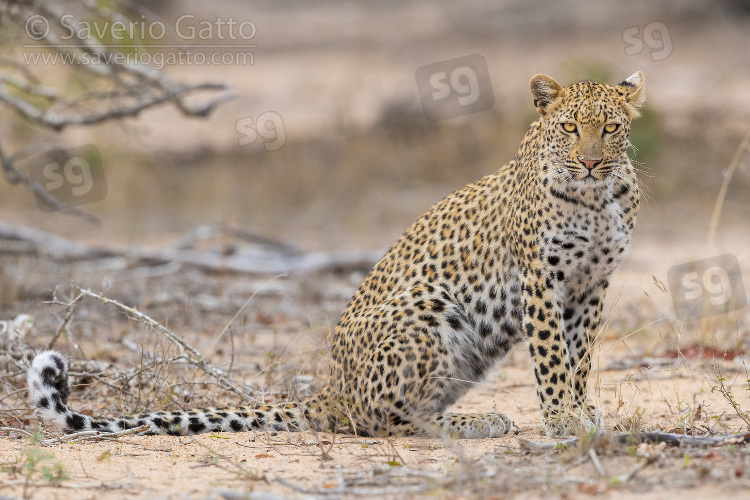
(346, 158)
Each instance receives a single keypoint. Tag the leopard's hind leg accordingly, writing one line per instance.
(418, 353)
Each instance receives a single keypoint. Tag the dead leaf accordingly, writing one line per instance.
(263, 318)
(593, 488)
(712, 456)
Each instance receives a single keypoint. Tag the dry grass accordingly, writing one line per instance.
(651, 372)
(261, 347)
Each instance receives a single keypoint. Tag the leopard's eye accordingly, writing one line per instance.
(569, 127)
(611, 127)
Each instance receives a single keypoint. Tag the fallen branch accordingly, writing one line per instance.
(266, 264)
(49, 243)
(262, 262)
(671, 439)
(387, 490)
(92, 436)
(14, 429)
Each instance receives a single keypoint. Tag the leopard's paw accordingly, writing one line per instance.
(573, 421)
(474, 425)
(498, 424)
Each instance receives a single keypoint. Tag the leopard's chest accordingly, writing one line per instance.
(586, 247)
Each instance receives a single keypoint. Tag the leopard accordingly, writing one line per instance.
(523, 254)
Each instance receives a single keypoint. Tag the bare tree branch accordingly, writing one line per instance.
(113, 86)
(49, 118)
(146, 87)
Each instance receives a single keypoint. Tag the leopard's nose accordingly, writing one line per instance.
(589, 164)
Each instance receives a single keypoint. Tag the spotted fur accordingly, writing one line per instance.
(524, 253)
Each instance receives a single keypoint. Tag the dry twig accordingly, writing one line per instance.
(70, 308)
(188, 353)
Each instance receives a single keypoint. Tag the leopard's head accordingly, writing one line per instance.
(585, 129)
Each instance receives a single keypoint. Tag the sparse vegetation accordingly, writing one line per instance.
(37, 467)
(729, 396)
(153, 369)
(358, 185)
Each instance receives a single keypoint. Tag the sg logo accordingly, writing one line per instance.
(74, 176)
(455, 87)
(707, 287)
(655, 36)
(269, 127)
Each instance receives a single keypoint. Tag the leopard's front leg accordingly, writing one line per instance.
(581, 317)
(563, 410)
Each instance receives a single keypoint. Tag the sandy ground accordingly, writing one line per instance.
(292, 465)
(636, 381)
(639, 381)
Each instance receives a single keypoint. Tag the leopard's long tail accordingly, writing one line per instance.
(49, 388)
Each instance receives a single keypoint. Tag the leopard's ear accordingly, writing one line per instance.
(633, 90)
(547, 93)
